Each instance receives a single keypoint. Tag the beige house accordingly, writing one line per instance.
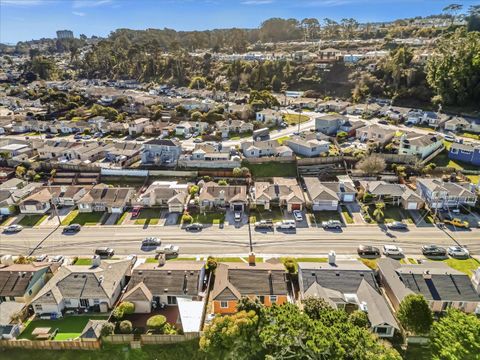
(166, 194)
(233, 197)
(282, 192)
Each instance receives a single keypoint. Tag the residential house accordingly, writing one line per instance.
(282, 192)
(190, 127)
(123, 153)
(21, 282)
(92, 288)
(15, 149)
(116, 127)
(364, 109)
(328, 195)
(57, 195)
(167, 194)
(376, 133)
(11, 196)
(269, 116)
(230, 126)
(461, 124)
(348, 285)
(263, 281)
(308, 148)
(393, 194)
(86, 152)
(255, 149)
(52, 149)
(333, 106)
(137, 126)
(468, 153)
(240, 111)
(329, 55)
(438, 194)
(156, 284)
(329, 124)
(421, 145)
(233, 197)
(161, 152)
(104, 198)
(442, 286)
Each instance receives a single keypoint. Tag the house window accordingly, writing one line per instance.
(273, 299)
(67, 302)
(383, 330)
(224, 304)
(96, 301)
(12, 298)
(38, 307)
(171, 300)
(261, 298)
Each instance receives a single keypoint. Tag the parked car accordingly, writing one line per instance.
(194, 227)
(87, 137)
(72, 228)
(449, 137)
(332, 224)
(49, 136)
(57, 258)
(136, 211)
(297, 215)
(41, 258)
(237, 216)
(168, 250)
(457, 223)
(392, 250)
(383, 122)
(77, 136)
(197, 140)
(105, 252)
(151, 241)
(396, 225)
(433, 250)
(264, 224)
(13, 229)
(367, 250)
(458, 252)
(286, 224)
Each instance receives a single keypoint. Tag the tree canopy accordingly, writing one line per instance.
(415, 314)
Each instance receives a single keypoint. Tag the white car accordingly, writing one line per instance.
(392, 250)
(168, 250)
(151, 241)
(237, 216)
(449, 137)
(286, 224)
(13, 228)
(297, 214)
(458, 252)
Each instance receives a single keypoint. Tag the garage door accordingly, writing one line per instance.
(348, 198)
(296, 206)
(412, 206)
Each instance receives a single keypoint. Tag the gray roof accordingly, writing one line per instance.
(93, 329)
(318, 190)
(382, 188)
(452, 189)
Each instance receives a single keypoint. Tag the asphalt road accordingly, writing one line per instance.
(230, 240)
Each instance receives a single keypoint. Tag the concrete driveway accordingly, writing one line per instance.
(169, 219)
(52, 219)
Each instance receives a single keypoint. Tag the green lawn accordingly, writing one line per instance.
(120, 219)
(393, 213)
(260, 214)
(229, 259)
(83, 261)
(467, 266)
(68, 327)
(371, 263)
(443, 161)
(292, 119)
(87, 219)
(148, 217)
(179, 351)
(326, 215)
(271, 169)
(346, 215)
(282, 139)
(307, 259)
(206, 218)
(32, 220)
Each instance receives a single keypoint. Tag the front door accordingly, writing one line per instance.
(84, 303)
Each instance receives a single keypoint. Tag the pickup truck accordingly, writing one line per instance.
(168, 250)
(457, 223)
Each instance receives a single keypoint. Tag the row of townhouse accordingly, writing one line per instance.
(181, 287)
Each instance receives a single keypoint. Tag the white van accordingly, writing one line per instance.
(286, 224)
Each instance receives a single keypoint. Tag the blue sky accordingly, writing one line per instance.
(33, 19)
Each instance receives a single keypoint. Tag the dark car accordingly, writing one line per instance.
(367, 250)
(71, 229)
(104, 252)
(433, 250)
(397, 225)
(194, 227)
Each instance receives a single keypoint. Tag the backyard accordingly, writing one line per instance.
(84, 219)
(32, 220)
(68, 327)
(148, 217)
(271, 169)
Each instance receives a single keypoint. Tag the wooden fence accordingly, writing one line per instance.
(155, 339)
(51, 344)
(118, 338)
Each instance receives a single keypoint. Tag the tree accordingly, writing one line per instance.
(186, 217)
(372, 165)
(20, 171)
(107, 329)
(247, 304)
(118, 313)
(127, 307)
(378, 212)
(290, 265)
(193, 190)
(415, 314)
(473, 19)
(456, 336)
(237, 172)
(315, 307)
(156, 322)
(454, 76)
(359, 318)
(452, 10)
(211, 264)
(222, 182)
(125, 327)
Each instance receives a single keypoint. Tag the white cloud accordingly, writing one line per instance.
(256, 2)
(78, 13)
(90, 3)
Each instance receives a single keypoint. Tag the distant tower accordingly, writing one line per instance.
(64, 34)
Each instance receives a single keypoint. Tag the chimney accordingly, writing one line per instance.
(161, 260)
(332, 257)
(427, 275)
(96, 261)
(251, 259)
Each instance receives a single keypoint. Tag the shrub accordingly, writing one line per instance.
(359, 318)
(128, 307)
(169, 329)
(222, 182)
(156, 322)
(125, 327)
(187, 218)
(118, 313)
(107, 329)
(211, 264)
(290, 264)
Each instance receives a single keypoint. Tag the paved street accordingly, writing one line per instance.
(230, 240)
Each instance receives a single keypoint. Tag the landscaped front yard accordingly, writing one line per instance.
(68, 327)
(260, 214)
(292, 119)
(32, 220)
(207, 218)
(87, 219)
(467, 266)
(148, 217)
(346, 215)
(320, 216)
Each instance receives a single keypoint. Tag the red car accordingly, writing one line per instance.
(136, 211)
